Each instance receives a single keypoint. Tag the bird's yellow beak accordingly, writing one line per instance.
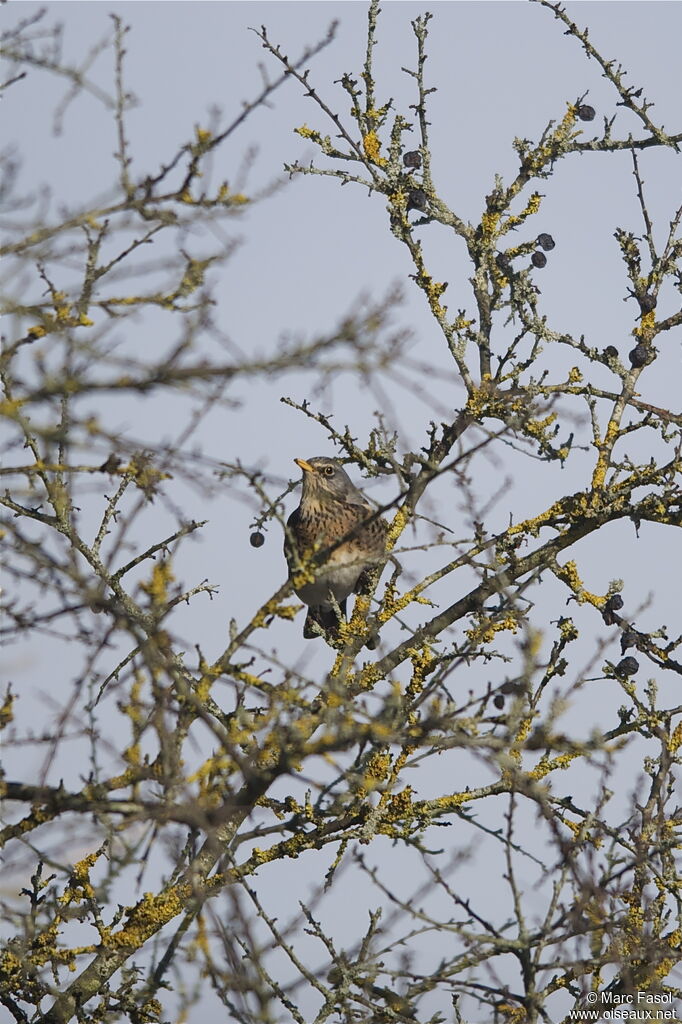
(305, 466)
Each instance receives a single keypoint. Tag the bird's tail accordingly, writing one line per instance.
(322, 620)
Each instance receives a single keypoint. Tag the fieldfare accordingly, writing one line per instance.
(332, 509)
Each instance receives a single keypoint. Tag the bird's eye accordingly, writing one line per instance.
(329, 471)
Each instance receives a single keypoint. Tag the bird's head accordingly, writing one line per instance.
(325, 480)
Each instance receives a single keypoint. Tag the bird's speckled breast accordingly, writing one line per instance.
(318, 527)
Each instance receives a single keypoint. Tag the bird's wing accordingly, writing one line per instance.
(359, 505)
(289, 535)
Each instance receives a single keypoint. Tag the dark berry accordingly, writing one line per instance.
(611, 352)
(503, 263)
(498, 701)
(639, 355)
(538, 259)
(508, 688)
(111, 465)
(412, 159)
(627, 667)
(628, 639)
(585, 112)
(257, 540)
(416, 199)
(614, 604)
(647, 303)
(545, 241)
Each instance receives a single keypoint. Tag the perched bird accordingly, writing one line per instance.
(331, 508)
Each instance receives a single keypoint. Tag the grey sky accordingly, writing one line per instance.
(308, 252)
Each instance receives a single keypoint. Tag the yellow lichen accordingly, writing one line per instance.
(400, 804)
(216, 766)
(461, 323)
(307, 133)
(568, 630)
(546, 765)
(376, 771)
(538, 428)
(368, 677)
(423, 662)
(646, 325)
(523, 731)
(10, 407)
(605, 447)
(676, 738)
(80, 887)
(568, 574)
(372, 146)
(149, 915)
(484, 631)
(489, 222)
(515, 220)
(398, 524)
(392, 604)
(6, 710)
(132, 755)
(157, 587)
